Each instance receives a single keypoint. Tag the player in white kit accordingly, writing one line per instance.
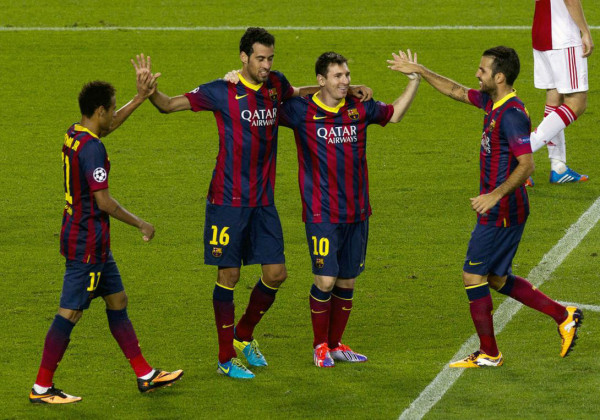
(561, 44)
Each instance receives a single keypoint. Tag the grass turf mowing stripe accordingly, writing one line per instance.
(272, 28)
(502, 316)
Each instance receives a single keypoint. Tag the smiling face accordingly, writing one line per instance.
(257, 66)
(334, 87)
(487, 82)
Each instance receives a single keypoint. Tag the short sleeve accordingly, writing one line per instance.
(378, 112)
(204, 97)
(478, 98)
(516, 126)
(288, 114)
(286, 87)
(94, 163)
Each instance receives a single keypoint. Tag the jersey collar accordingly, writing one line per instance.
(248, 84)
(502, 101)
(320, 104)
(79, 127)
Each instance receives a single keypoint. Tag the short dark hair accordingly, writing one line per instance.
(326, 59)
(253, 35)
(95, 94)
(506, 61)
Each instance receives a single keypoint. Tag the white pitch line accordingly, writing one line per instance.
(502, 316)
(591, 308)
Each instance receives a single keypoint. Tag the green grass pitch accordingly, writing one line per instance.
(411, 313)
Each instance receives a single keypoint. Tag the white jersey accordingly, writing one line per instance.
(553, 27)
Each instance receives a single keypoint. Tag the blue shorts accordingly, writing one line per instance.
(338, 249)
(492, 249)
(84, 282)
(248, 235)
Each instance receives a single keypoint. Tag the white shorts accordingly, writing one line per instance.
(564, 70)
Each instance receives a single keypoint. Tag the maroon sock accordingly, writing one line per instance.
(341, 306)
(520, 289)
(55, 345)
(480, 303)
(261, 299)
(224, 319)
(320, 309)
(123, 332)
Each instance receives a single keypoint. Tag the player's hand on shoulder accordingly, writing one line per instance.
(147, 231)
(364, 93)
(232, 77)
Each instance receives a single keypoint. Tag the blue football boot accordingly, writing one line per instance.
(567, 177)
(234, 369)
(251, 351)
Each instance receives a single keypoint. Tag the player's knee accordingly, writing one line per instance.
(472, 279)
(228, 277)
(117, 301)
(496, 282)
(577, 102)
(70, 314)
(275, 279)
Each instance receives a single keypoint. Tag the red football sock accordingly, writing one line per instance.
(480, 303)
(55, 345)
(320, 308)
(123, 332)
(261, 299)
(520, 289)
(341, 306)
(224, 318)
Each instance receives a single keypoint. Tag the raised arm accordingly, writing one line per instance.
(404, 101)
(109, 205)
(576, 11)
(444, 85)
(145, 85)
(164, 103)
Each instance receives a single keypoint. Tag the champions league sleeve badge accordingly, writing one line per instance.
(99, 174)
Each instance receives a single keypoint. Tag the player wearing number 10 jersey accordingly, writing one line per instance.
(331, 132)
(91, 270)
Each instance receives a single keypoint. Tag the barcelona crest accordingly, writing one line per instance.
(353, 114)
(319, 262)
(217, 252)
(492, 126)
(273, 94)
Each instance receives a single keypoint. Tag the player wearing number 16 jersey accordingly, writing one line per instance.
(91, 270)
(331, 132)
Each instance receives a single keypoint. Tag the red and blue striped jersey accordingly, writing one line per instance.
(85, 233)
(332, 161)
(247, 121)
(506, 130)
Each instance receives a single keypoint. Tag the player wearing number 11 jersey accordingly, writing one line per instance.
(91, 270)
(331, 132)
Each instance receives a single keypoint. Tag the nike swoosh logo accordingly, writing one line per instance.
(318, 118)
(346, 309)
(477, 263)
(225, 370)
(318, 312)
(262, 312)
(226, 326)
(240, 96)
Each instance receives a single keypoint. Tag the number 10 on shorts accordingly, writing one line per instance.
(320, 246)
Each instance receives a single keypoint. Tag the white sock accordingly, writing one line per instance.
(40, 389)
(558, 166)
(551, 126)
(149, 375)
